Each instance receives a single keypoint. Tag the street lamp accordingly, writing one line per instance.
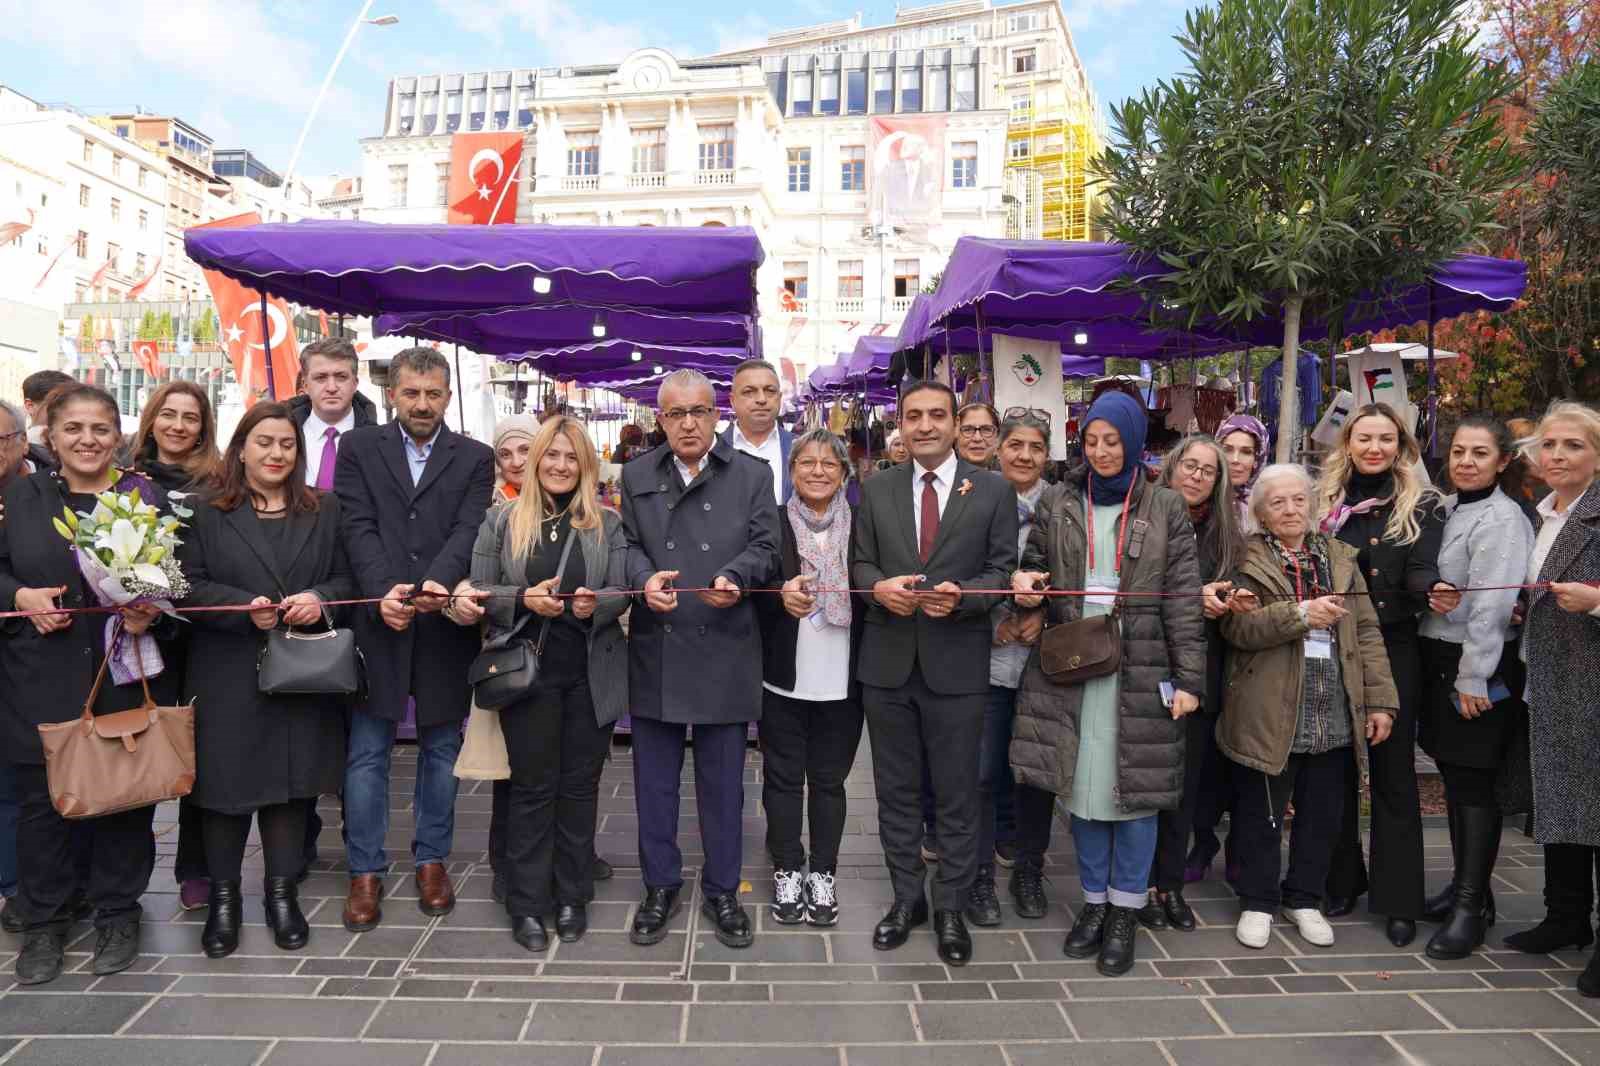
(316, 105)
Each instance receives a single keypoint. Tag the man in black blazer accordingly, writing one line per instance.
(926, 534)
(412, 495)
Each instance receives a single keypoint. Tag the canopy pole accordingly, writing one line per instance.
(1433, 395)
(461, 401)
(266, 347)
(985, 364)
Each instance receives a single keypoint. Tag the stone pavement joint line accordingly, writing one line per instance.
(457, 990)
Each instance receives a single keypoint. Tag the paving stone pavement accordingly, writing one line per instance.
(456, 991)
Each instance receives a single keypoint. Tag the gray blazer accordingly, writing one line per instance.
(496, 568)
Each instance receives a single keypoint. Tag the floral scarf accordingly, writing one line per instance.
(1311, 563)
(828, 563)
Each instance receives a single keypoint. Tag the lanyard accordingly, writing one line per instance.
(1122, 532)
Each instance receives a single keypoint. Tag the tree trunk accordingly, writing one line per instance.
(1288, 394)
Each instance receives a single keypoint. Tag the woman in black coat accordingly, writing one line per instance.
(48, 664)
(811, 715)
(266, 539)
(1372, 497)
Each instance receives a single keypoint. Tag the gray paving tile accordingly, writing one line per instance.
(1507, 1010)
(1583, 1048)
(530, 990)
(880, 992)
(992, 1021)
(1353, 964)
(1301, 1051)
(1520, 979)
(768, 947)
(255, 1016)
(1135, 987)
(1358, 1012)
(795, 1023)
(359, 987)
(623, 1055)
(1407, 981)
(728, 993)
(943, 1055)
(347, 1053)
(423, 988)
(1311, 984)
(127, 1051)
(76, 1014)
(225, 985)
(512, 1055)
(1135, 1019)
(440, 1020)
(657, 992)
(1478, 1049)
(604, 1022)
(1125, 1053)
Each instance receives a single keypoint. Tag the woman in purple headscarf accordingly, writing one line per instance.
(1244, 443)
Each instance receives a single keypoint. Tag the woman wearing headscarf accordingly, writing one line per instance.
(1244, 442)
(513, 437)
(1112, 746)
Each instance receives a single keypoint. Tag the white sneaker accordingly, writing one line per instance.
(788, 904)
(1254, 929)
(1314, 928)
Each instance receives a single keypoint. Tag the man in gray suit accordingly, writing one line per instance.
(926, 534)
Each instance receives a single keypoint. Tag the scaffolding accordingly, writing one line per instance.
(1049, 144)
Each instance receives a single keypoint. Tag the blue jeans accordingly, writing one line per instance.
(366, 792)
(8, 829)
(997, 820)
(1114, 859)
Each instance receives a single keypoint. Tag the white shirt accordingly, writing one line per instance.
(316, 436)
(683, 468)
(821, 658)
(1549, 530)
(769, 452)
(943, 481)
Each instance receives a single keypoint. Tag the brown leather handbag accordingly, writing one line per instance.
(104, 764)
(1082, 649)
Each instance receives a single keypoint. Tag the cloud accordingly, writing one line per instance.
(747, 31)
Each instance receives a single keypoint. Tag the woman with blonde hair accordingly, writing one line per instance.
(1373, 496)
(567, 603)
(176, 445)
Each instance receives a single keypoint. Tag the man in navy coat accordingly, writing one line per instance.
(757, 400)
(412, 495)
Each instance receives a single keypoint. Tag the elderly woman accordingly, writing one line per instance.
(1308, 682)
(1561, 642)
(811, 707)
(977, 434)
(1112, 744)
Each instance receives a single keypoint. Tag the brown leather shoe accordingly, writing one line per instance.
(361, 910)
(434, 894)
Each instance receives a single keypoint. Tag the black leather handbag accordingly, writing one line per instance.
(296, 663)
(506, 670)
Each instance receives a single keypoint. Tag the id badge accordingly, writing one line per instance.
(1101, 595)
(1319, 644)
(818, 619)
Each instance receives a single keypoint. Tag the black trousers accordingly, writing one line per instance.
(283, 832)
(121, 857)
(1395, 885)
(190, 862)
(1036, 811)
(807, 748)
(556, 751)
(1173, 827)
(1469, 786)
(1317, 783)
(910, 727)
(1569, 878)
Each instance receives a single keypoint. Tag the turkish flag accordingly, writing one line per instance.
(149, 355)
(10, 231)
(138, 289)
(483, 178)
(248, 330)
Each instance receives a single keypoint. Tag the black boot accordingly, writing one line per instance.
(1478, 843)
(1568, 900)
(983, 905)
(1437, 908)
(1116, 947)
(220, 937)
(289, 929)
(1083, 940)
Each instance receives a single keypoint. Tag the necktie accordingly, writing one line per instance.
(330, 458)
(930, 517)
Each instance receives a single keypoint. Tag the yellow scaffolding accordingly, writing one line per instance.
(1048, 147)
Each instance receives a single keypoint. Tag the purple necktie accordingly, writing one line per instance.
(330, 456)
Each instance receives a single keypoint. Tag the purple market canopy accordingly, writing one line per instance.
(513, 331)
(617, 358)
(368, 268)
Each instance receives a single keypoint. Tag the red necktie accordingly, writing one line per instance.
(930, 517)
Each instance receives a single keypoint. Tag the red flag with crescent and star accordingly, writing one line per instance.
(149, 355)
(483, 178)
(144, 283)
(248, 329)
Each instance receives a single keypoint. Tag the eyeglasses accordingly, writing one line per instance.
(1028, 412)
(985, 432)
(7, 438)
(1191, 468)
(827, 466)
(681, 414)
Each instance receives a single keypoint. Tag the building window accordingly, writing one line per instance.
(116, 165)
(138, 265)
(477, 104)
(83, 196)
(828, 92)
(716, 147)
(1024, 60)
(882, 92)
(430, 113)
(1021, 148)
(802, 94)
(583, 153)
(938, 89)
(408, 113)
(853, 168)
(966, 88)
(1022, 22)
(524, 108)
(849, 279)
(502, 108)
(1021, 109)
(88, 151)
(399, 174)
(116, 209)
(855, 85)
(907, 277)
(778, 86)
(911, 88)
(796, 278)
(80, 244)
(114, 253)
(441, 183)
(452, 111)
(144, 176)
(799, 170)
(650, 150)
(964, 165)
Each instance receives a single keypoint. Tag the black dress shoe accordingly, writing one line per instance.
(530, 933)
(1401, 931)
(1180, 915)
(1027, 891)
(602, 869)
(224, 916)
(983, 906)
(1087, 932)
(1552, 934)
(116, 947)
(1116, 946)
(282, 904)
(655, 913)
(733, 924)
(896, 926)
(955, 943)
(11, 919)
(1589, 980)
(1152, 915)
(572, 921)
(42, 954)
(1339, 906)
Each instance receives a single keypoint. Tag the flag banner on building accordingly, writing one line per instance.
(880, 329)
(10, 231)
(483, 178)
(108, 356)
(144, 283)
(42, 277)
(148, 353)
(906, 179)
(100, 275)
(248, 330)
(1027, 373)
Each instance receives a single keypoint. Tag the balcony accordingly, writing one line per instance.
(900, 304)
(580, 183)
(848, 305)
(713, 177)
(647, 181)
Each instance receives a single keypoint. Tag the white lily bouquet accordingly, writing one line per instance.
(127, 552)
